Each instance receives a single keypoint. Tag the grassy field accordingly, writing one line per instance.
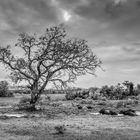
(78, 124)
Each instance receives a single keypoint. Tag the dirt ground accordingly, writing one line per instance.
(79, 124)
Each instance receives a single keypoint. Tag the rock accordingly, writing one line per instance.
(137, 113)
(129, 112)
(60, 129)
(105, 111)
(89, 107)
(113, 112)
(94, 113)
(108, 112)
(84, 107)
(79, 107)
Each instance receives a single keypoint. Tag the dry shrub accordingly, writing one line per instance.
(120, 104)
(70, 96)
(24, 103)
(60, 129)
(96, 96)
(24, 100)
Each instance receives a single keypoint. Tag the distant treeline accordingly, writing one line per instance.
(119, 91)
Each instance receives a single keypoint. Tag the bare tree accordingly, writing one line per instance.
(50, 57)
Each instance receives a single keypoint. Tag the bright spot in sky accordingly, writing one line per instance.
(66, 16)
(118, 1)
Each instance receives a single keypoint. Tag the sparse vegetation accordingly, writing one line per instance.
(74, 119)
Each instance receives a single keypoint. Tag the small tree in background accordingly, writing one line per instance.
(130, 87)
(50, 57)
(4, 92)
(3, 88)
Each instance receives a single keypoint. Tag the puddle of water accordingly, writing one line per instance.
(95, 113)
(120, 115)
(20, 115)
(137, 113)
(13, 115)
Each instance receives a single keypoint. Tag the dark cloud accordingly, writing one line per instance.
(112, 20)
(108, 9)
(23, 14)
(43, 7)
(69, 3)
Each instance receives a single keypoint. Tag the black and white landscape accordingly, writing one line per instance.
(69, 69)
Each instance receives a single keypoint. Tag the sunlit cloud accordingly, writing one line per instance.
(66, 16)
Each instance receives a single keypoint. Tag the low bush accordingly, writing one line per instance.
(60, 129)
(114, 92)
(24, 104)
(96, 96)
(24, 100)
(70, 96)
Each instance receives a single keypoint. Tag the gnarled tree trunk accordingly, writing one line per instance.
(34, 99)
(34, 96)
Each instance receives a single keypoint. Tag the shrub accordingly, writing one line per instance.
(137, 92)
(138, 97)
(114, 92)
(60, 129)
(96, 96)
(120, 104)
(70, 96)
(4, 92)
(24, 104)
(10, 94)
(24, 100)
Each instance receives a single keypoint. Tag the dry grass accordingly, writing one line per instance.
(78, 124)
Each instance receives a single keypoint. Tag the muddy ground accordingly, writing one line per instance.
(77, 124)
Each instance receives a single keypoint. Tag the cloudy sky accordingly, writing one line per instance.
(112, 28)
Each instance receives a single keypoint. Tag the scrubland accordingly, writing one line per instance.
(61, 119)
